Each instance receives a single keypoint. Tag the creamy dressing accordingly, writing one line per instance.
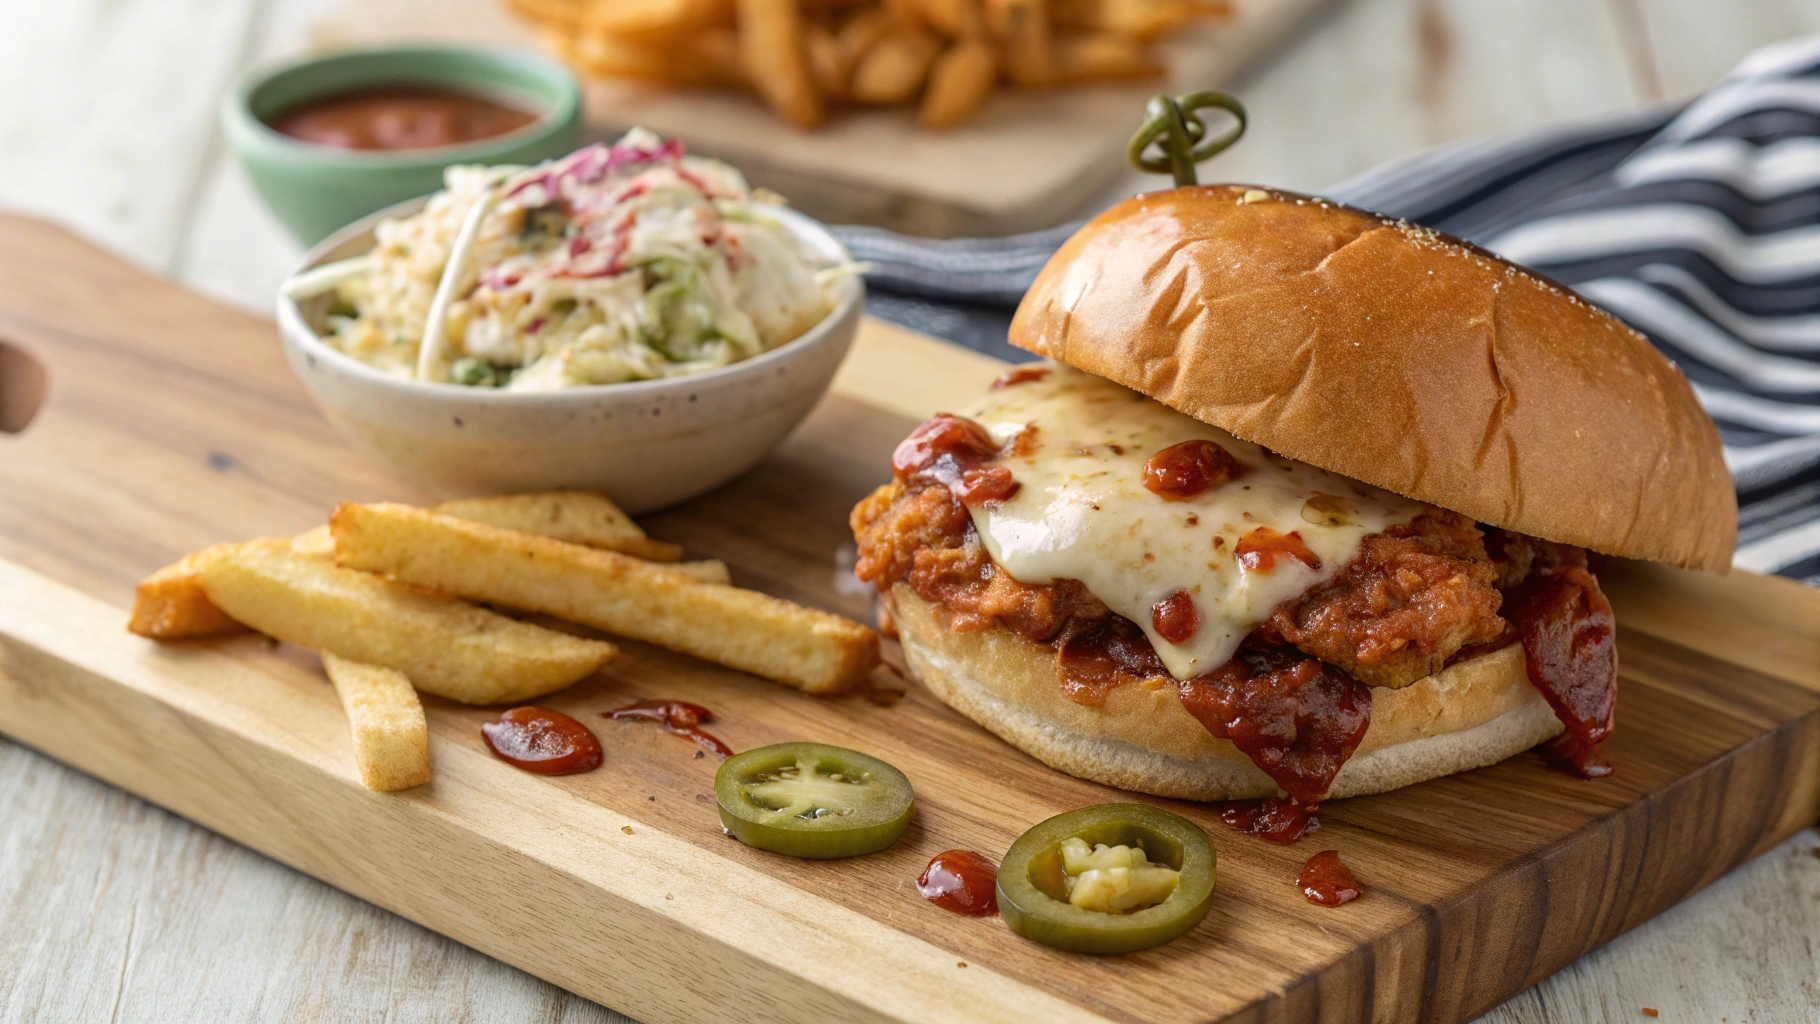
(1082, 512)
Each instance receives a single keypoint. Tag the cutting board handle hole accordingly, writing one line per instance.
(23, 384)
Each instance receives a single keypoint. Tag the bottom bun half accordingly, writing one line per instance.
(1474, 713)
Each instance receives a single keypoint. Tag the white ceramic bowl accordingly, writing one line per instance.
(646, 444)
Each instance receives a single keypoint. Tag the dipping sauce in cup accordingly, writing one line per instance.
(400, 119)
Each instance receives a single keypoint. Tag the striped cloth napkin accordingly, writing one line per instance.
(1700, 225)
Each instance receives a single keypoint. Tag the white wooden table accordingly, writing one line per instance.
(115, 910)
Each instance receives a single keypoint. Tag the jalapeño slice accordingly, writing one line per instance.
(1033, 890)
(812, 800)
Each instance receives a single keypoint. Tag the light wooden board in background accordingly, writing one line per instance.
(1019, 159)
(119, 905)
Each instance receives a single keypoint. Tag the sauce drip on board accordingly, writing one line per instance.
(1275, 819)
(962, 881)
(1570, 650)
(399, 119)
(542, 741)
(1326, 880)
(680, 718)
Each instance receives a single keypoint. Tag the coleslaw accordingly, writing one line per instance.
(616, 263)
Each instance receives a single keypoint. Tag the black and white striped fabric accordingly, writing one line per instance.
(1699, 225)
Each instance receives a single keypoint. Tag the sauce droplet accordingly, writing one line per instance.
(1181, 471)
(542, 741)
(680, 718)
(1020, 375)
(1175, 618)
(1259, 549)
(1274, 818)
(962, 881)
(1328, 881)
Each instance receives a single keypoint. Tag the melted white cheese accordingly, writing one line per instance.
(1082, 512)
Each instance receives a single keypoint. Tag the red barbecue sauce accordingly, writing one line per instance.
(1570, 650)
(1175, 618)
(1020, 375)
(680, 718)
(395, 119)
(953, 451)
(1328, 881)
(1277, 819)
(1181, 471)
(1259, 550)
(542, 741)
(962, 881)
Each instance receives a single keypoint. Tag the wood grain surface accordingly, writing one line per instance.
(172, 423)
(117, 904)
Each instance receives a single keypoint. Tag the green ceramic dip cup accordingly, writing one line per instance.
(316, 189)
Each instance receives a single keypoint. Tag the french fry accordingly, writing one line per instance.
(707, 570)
(858, 33)
(654, 21)
(812, 650)
(894, 69)
(604, 54)
(958, 83)
(170, 604)
(776, 60)
(1092, 56)
(445, 646)
(1022, 29)
(956, 19)
(554, 12)
(385, 718)
(579, 517)
(715, 53)
(1143, 20)
(828, 62)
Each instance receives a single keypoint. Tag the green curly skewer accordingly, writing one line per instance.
(1171, 123)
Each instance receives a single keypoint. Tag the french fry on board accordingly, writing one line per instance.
(1093, 56)
(858, 33)
(958, 83)
(658, 21)
(170, 604)
(385, 718)
(894, 69)
(444, 646)
(579, 517)
(956, 19)
(1022, 29)
(776, 60)
(813, 650)
(828, 62)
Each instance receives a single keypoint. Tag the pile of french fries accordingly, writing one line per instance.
(392, 597)
(805, 56)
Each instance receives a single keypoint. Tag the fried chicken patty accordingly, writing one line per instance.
(1414, 597)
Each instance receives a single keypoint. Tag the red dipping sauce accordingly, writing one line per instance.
(1327, 881)
(542, 741)
(397, 119)
(679, 717)
(962, 881)
(1274, 818)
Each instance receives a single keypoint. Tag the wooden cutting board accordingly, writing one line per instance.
(171, 423)
(1027, 160)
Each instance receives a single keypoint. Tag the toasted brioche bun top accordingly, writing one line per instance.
(1395, 355)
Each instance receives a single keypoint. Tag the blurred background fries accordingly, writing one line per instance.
(803, 57)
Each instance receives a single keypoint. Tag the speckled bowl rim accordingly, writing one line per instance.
(561, 113)
(292, 324)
